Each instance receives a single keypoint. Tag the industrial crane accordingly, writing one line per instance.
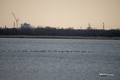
(16, 20)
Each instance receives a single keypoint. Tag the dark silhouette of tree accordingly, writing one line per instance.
(50, 31)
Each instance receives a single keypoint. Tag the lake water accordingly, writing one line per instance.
(59, 59)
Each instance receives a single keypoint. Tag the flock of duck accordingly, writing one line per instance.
(46, 51)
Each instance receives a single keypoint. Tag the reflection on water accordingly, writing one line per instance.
(58, 59)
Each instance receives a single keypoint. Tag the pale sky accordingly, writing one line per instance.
(61, 13)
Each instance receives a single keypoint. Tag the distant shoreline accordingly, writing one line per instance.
(59, 37)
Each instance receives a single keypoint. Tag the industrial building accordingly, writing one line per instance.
(25, 25)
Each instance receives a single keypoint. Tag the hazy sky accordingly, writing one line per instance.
(62, 13)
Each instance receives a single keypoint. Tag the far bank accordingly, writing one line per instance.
(60, 37)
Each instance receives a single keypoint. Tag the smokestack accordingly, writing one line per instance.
(89, 25)
(103, 25)
(14, 24)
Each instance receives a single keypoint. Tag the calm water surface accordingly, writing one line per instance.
(59, 59)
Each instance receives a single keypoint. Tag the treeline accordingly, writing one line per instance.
(48, 31)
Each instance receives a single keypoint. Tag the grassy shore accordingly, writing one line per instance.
(58, 37)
